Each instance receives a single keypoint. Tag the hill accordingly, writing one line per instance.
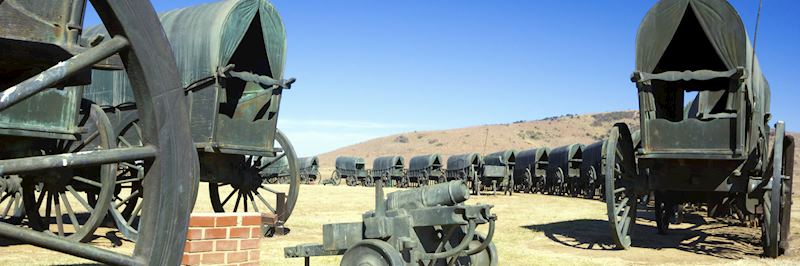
(548, 132)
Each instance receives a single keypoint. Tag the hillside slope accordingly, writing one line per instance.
(549, 132)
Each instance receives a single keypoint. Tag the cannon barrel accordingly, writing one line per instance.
(449, 193)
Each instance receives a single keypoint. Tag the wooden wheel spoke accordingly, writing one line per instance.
(246, 199)
(80, 199)
(265, 202)
(84, 142)
(253, 202)
(47, 207)
(229, 196)
(8, 207)
(59, 219)
(128, 198)
(87, 181)
(134, 214)
(72, 218)
(238, 198)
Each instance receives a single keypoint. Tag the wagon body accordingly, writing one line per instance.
(230, 56)
(348, 166)
(275, 167)
(564, 168)
(591, 177)
(531, 164)
(392, 167)
(700, 46)
(466, 166)
(35, 36)
(309, 167)
(425, 166)
(499, 166)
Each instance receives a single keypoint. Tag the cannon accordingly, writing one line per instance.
(352, 169)
(309, 169)
(467, 167)
(59, 149)
(498, 171)
(390, 169)
(564, 169)
(231, 74)
(717, 147)
(530, 170)
(423, 168)
(591, 177)
(428, 225)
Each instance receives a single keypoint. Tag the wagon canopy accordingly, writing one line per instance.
(204, 39)
(349, 163)
(424, 161)
(307, 162)
(528, 159)
(462, 161)
(668, 40)
(562, 155)
(388, 162)
(503, 158)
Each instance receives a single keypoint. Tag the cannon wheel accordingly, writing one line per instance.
(52, 193)
(249, 195)
(777, 200)
(372, 252)
(621, 200)
(142, 46)
(487, 257)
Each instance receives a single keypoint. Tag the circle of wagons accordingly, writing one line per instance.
(122, 121)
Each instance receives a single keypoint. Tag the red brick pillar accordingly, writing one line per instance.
(223, 238)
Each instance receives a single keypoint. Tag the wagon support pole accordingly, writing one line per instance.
(59, 244)
(38, 163)
(61, 71)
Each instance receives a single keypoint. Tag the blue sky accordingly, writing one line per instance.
(367, 69)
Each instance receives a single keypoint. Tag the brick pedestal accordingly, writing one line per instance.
(223, 238)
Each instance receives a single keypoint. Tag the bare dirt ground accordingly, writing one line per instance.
(532, 230)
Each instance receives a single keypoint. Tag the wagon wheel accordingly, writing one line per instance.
(372, 252)
(621, 199)
(138, 38)
(50, 197)
(527, 182)
(777, 199)
(591, 183)
(11, 207)
(368, 181)
(126, 205)
(351, 181)
(251, 194)
(336, 179)
(560, 184)
(539, 185)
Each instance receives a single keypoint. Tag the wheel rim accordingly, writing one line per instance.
(620, 195)
(372, 252)
(126, 208)
(60, 210)
(251, 194)
(777, 201)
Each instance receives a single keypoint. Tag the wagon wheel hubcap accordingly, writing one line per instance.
(56, 207)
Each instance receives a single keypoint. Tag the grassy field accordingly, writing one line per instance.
(532, 230)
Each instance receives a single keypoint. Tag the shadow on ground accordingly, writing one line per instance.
(716, 239)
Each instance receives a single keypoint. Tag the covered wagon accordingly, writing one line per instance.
(564, 169)
(309, 169)
(423, 168)
(498, 171)
(390, 169)
(530, 170)
(353, 170)
(467, 167)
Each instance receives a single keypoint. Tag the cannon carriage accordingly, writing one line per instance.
(423, 168)
(353, 170)
(530, 170)
(230, 58)
(467, 167)
(428, 225)
(390, 169)
(718, 147)
(60, 151)
(308, 168)
(564, 170)
(498, 171)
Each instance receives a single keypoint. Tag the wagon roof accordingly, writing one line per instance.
(593, 153)
(306, 162)
(205, 37)
(348, 162)
(388, 162)
(570, 150)
(462, 161)
(528, 157)
(720, 24)
(423, 161)
(501, 157)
